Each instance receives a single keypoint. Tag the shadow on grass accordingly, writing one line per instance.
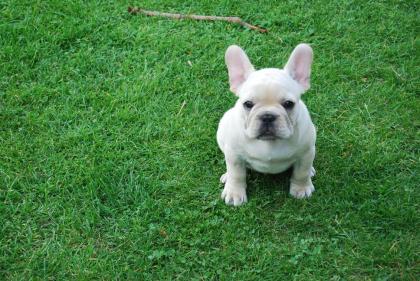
(268, 185)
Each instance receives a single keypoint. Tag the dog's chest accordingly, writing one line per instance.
(269, 158)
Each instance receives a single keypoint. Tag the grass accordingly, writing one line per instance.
(104, 174)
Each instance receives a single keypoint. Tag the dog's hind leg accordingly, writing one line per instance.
(313, 172)
(223, 178)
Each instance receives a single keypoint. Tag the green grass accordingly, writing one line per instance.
(104, 174)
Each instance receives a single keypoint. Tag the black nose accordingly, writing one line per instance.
(268, 118)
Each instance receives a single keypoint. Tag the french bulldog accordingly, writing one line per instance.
(269, 129)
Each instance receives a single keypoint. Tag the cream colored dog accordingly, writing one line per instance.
(269, 128)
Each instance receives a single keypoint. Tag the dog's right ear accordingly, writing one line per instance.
(239, 67)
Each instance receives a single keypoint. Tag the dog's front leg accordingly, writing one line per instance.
(301, 184)
(234, 192)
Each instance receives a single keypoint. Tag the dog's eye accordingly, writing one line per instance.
(288, 104)
(248, 104)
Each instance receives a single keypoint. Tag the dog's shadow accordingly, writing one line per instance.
(268, 185)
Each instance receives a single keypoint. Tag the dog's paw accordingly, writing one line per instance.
(313, 172)
(234, 196)
(223, 178)
(301, 192)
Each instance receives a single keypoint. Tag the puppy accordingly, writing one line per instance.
(269, 128)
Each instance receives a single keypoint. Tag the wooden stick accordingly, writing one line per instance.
(182, 106)
(137, 10)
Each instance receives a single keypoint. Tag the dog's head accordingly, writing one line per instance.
(269, 99)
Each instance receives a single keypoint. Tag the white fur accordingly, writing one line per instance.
(292, 143)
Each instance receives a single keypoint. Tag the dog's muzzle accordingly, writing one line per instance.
(267, 130)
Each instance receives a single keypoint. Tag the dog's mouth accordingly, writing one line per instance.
(267, 133)
(267, 137)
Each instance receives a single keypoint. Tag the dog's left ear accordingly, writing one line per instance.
(239, 67)
(299, 65)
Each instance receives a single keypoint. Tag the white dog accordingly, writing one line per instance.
(269, 128)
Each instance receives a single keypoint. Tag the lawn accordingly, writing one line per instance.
(109, 167)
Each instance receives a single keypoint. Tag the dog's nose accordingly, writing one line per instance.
(268, 117)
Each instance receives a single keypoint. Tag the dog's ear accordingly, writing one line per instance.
(299, 65)
(239, 67)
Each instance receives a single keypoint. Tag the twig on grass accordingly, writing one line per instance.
(182, 106)
(238, 20)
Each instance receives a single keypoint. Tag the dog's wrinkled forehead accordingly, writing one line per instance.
(270, 85)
